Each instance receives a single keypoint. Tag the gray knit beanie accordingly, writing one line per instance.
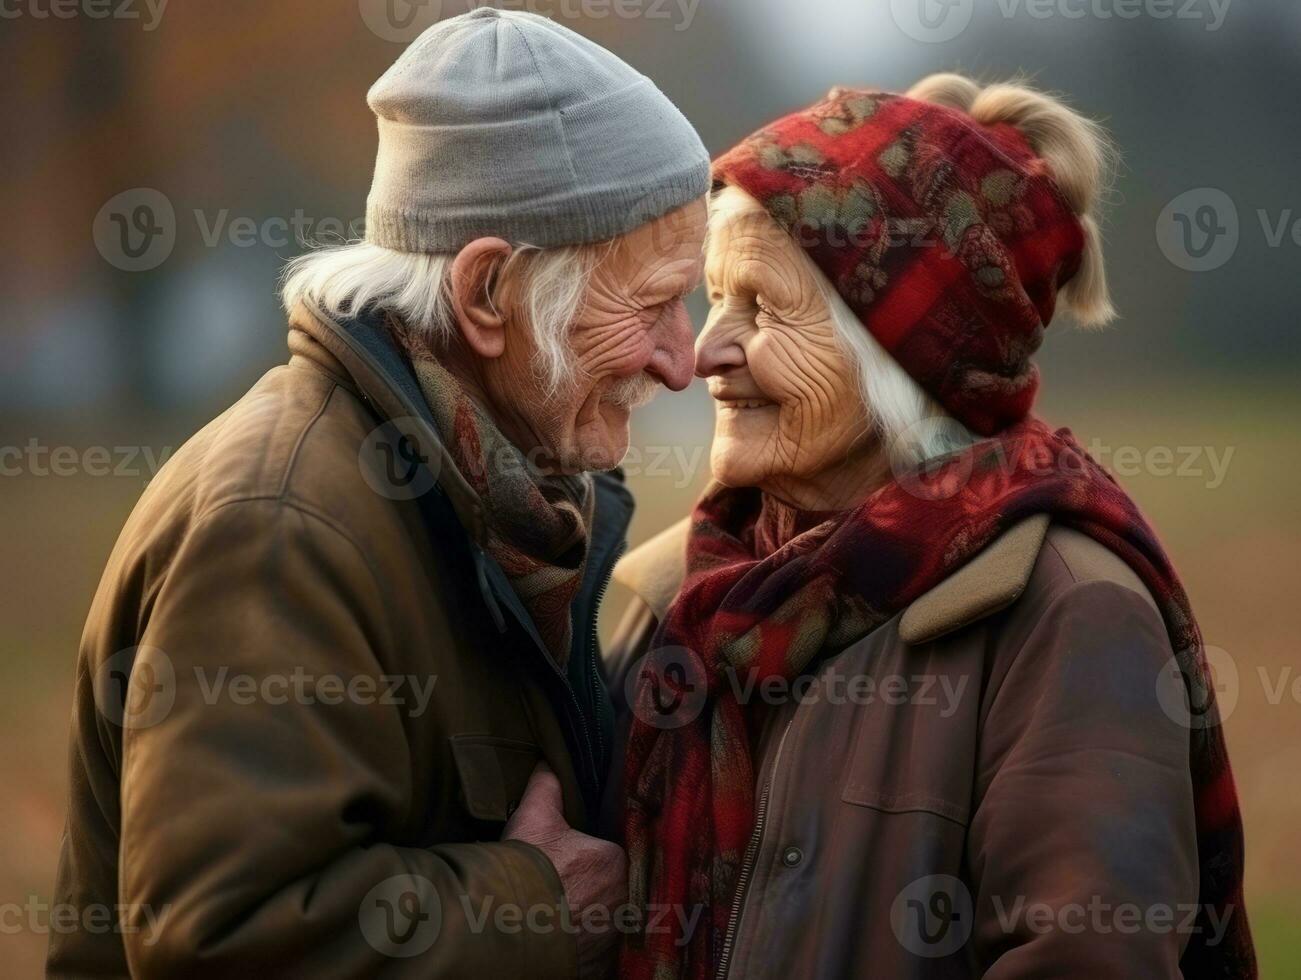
(503, 123)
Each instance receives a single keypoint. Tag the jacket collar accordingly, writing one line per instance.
(991, 581)
(360, 353)
(364, 352)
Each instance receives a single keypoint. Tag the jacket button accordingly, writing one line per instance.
(792, 856)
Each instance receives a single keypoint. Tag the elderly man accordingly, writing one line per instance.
(337, 707)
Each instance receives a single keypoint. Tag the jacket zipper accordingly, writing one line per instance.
(593, 776)
(747, 862)
(594, 641)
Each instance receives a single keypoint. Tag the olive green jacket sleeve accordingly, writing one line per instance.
(260, 807)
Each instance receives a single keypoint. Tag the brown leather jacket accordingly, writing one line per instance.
(306, 703)
(987, 785)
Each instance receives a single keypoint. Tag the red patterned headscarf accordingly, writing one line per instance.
(948, 238)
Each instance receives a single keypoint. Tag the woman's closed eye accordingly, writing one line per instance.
(765, 312)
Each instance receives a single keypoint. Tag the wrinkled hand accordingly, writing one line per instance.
(593, 872)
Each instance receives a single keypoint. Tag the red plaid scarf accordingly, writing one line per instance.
(690, 789)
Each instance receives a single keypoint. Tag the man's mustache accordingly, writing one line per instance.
(633, 392)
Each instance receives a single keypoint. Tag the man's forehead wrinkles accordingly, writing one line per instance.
(673, 276)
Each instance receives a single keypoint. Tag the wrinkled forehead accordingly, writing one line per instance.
(675, 236)
(661, 259)
(740, 228)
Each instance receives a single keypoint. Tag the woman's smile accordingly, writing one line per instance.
(738, 393)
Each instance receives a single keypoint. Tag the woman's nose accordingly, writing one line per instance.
(717, 348)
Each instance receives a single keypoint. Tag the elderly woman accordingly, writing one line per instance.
(917, 685)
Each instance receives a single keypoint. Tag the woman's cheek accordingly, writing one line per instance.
(814, 433)
(773, 363)
(742, 460)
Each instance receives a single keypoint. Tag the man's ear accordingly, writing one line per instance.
(473, 282)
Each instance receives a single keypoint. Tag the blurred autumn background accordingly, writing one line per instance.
(123, 329)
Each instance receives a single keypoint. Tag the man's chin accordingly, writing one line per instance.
(615, 418)
(598, 447)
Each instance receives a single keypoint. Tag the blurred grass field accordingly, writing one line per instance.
(1236, 545)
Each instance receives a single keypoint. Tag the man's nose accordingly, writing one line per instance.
(717, 350)
(672, 337)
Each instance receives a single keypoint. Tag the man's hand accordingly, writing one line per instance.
(594, 872)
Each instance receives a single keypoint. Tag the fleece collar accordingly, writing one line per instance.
(991, 581)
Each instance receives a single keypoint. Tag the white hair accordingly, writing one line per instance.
(911, 425)
(415, 288)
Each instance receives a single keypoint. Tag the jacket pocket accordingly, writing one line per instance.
(907, 801)
(914, 753)
(494, 772)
